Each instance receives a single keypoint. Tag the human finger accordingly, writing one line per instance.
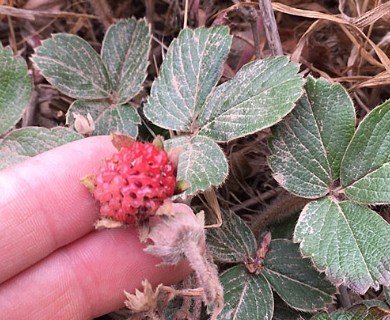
(84, 279)
(43, 205)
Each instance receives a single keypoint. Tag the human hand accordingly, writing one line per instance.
(53, 265)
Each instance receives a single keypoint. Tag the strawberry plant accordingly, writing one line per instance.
(102, 84)
(315, 153)
(15, 94)
(16, 89)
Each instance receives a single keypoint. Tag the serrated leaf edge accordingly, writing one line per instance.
(238, 257)
(351, 186)
(138, 22)
(337, 282)
(111, 107)
(184, 127)
(56, 35)
(248, 278)
(293, 105)
(353, 137)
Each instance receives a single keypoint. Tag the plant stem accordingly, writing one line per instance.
(250, 13)
(282, 208)
(271, 28)
(207, 277)
(344, 298)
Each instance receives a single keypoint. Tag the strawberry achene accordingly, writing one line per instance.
(133, 184)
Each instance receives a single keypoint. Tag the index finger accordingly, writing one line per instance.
(44, 206)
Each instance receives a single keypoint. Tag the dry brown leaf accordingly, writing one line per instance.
(372, 16)
(145, 301)
(306, 13)
(366, 55)
(302, 41)
(212, 203)
(381, 79)
(32, 14)
(384, 59)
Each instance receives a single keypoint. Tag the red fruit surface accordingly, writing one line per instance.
(133, 184)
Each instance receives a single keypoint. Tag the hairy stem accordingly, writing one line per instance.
(282, 208)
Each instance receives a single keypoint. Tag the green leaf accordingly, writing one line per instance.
(375, 303)
(246, 296)
(284, 229)
(201, 162)
(10, 159)
(386, 290)
(350, 242)
(125, 52)
(283, 312)
(294, 278)
(365, 170)
(108, 117)
(84, 107)
(308, 145)
(321, 316)
(233, 241)
(373, 188)
(15, 89)
(258, 96)
(357, 312)
(335, 117)
(192, 67)
(30, 141)
(122, 118)
(71, 65)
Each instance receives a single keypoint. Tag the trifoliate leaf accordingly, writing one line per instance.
(247, 296)
(365, 170)
(125, 52)
(122, 118)
(308, 145)
(233, 241)
(191, 69)
(201, 162)
(347, 241)
(15, 89)
(30, 141)
(258, 96)
(71, 65)
(294, 278)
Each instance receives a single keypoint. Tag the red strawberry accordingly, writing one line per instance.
(133, 184)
